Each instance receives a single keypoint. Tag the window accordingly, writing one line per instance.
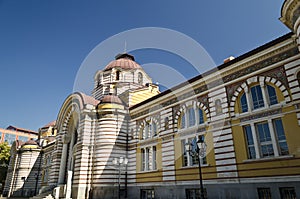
(287, 193)
(200, 114)
(9, 138)
(154, 158)
(187, 159)
(143, 159)
(192, 118)
(194, 193)
(243, 102)
(148, 158)
(278, 127)
(264, 193)
(140, 78)
(257, 97)
(117, 75)
(149, 130)
(272, 95)
(265, 139)
(147, 194)
(250, 143)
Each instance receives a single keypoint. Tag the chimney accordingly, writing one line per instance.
(228, 59)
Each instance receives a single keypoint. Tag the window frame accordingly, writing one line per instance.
(187, 159)
(262, 139)
(149, 158)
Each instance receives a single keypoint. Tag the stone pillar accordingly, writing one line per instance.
(63, 162)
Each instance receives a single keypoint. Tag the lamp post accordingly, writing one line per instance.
(120, 162)
(198, 149)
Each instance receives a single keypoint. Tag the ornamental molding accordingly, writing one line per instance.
(290, 13)
(261, 115)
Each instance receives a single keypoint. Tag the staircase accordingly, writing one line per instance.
(46, 195)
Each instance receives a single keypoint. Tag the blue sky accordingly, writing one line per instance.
(44, 43)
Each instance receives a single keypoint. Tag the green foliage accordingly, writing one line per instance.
(4, 160)
(4, 153)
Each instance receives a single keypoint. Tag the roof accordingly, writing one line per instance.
(89, 99)
(30, 142)
(50, 124)
(10, 127)
(123, 61)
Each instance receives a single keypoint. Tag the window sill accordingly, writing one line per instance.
(266, 159)
(149, 139)
(193, 128)
(148, 171)
(195, 166)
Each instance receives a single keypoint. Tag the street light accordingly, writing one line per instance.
(200, 151)
(120, 162)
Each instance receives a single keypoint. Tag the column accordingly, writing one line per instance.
(273, 138)
(264, 94)
(248, 99)
(63, 162)
(256, 146)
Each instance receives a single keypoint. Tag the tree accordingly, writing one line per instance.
(4, 161)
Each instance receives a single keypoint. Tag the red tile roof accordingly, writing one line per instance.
(123, 63)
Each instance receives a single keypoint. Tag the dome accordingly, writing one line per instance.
(123, 61)
(112, 99)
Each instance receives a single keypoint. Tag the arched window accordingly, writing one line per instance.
(191, 117)
(150, 129)
(200, 115)
(243, 103)
(257, 97)
(272, 95)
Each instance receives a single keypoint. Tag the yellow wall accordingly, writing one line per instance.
(273, 166)
(149, 176)
(192, 172)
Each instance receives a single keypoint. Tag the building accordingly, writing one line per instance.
(12, 133)
(27, 172)
(247, 109)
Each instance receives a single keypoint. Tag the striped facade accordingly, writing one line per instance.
(248, 110)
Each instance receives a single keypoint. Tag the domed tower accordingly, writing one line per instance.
(122, 77)
(290, 16)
